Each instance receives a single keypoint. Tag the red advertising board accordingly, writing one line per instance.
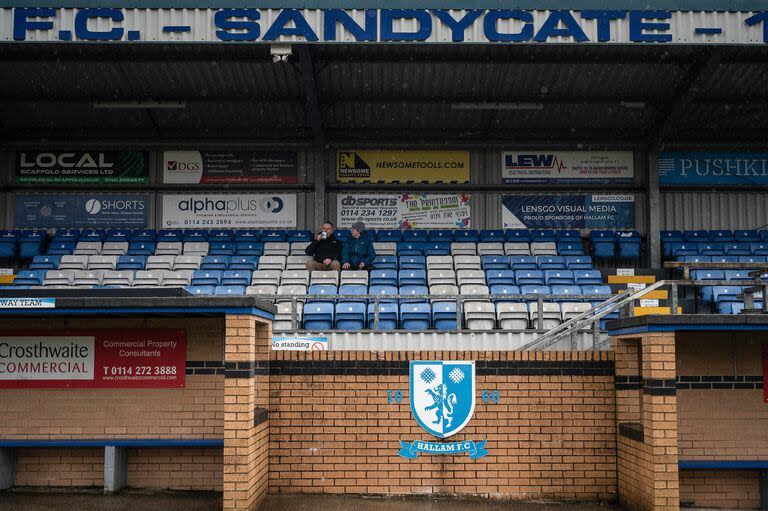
(150, 358)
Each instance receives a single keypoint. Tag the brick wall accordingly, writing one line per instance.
(733, 489)
(76, 467)
(553, 434)
(176, 469)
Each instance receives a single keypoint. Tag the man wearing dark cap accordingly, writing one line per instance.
(358, 252)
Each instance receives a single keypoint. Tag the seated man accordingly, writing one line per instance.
(358, 252)
(325, 250)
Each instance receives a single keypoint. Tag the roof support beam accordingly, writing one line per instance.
(311, 100)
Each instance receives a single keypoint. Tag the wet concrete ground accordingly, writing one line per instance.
(47, 501)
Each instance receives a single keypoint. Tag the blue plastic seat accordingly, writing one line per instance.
(118, 235)
(551, 262)
(229, 290)
(726, 294)
(543, 236)
(251, 235)
(413, 290)
(419, 235)
(758, 248)
(141, 248)
(379, 277)
(410, 248)
(442, 235)
(752, 259)
(206, 277)
(567, 236)
(563, 277)
(587, 277)
(389, 235)
(671, 236)
(143, 235)
(696, 236)
(492, 235)
(466, 236)
(437, 248)
(243, 262)
(8, 249)
(215, 262)
(194, 235)
(708, 274)
(66, 235)
(504, 289)
(322, 289)
(517, 236)
(737, 307)
(500, 277)
(629, 244)
(494, 262)
(249, 248)
(169, 235)
(388, 316)
(570, 249)
(444, 316)
(385, 262)
(572, 292)
(221, 235)
(695, 259)
(131, 262)
(273, 235)
(318, 315)
(710, 248)
(578, 262)
(411, 262)
(603, 244)
(200, 290)
(31, 244)
(351, 290)
(721, 236)
(523, 263)
(596, 289)
(684, 249)
(528, 277)
(725, 259)
(412, 278)
(45, 262)
(415, 316)
(298, 236)
(531, 289)
(350, 315)
(738, 249)
(61, 247)
(736, 275)
(746, 235)
(93, 235)
(236, 278)
(221, 248)
(29, 278)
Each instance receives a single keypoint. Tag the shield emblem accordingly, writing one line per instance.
(442, 395)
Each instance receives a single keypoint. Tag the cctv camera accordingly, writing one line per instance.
(280, 52)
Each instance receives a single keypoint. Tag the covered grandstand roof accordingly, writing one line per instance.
(334, 94)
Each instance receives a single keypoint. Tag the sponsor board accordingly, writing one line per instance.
(82, 167)
(404, 210)
(402, 166)
(152, 358)
(27, 303)
(567, 167)
(37, 210)
(229, 210)
(300, 343)
(724, 169)
(625, 272)
(230, 167)
(568, 211)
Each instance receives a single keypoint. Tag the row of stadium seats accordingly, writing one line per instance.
(679, 249)
(298, 262)
(716, 236)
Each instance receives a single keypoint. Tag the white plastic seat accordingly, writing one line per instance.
(543, 249)
(59, 278)
(88, 248)
(443, 289)
(102, 262)
(166, 248)
(187, 262)
(437, 277)
(385, 249)
(87, 278)
(261, 289)
(272, 263)
(350, 277)
(470, 277)
(178, 278)
(439, 263)
(296, 262)
(479, 316)
(73, 262)
(282, 321)
(517, 249)
(512, 315)
(466, 262)
(290, 277)
(115, 248)
(299, 247)
(276, 248)
(551, 313)
(160, 262)
(291, 290)
(474, 289)
(199, 248)
(266, 277)
(463, 248)
(573, 309)
(490, 249)
(324, 277)
(117, 278)
(148, 278)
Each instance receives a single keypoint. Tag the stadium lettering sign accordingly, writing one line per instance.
(384, 25)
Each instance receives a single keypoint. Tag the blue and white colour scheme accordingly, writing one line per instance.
(59, 22)
(412, 450)
(442, 395)
(27, 303)
(722, 169)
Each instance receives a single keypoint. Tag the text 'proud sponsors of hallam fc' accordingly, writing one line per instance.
(567, 167)
(246, 210)
(600, 211)
(230, 167)
(511, 26)
(78, 210)
(152, 358)
(722, 169)
(391, 166)
(82, 167)
(405, 211)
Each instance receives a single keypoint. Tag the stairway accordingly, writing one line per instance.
(655, 302)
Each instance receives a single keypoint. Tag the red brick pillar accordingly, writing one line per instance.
(246, 424)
